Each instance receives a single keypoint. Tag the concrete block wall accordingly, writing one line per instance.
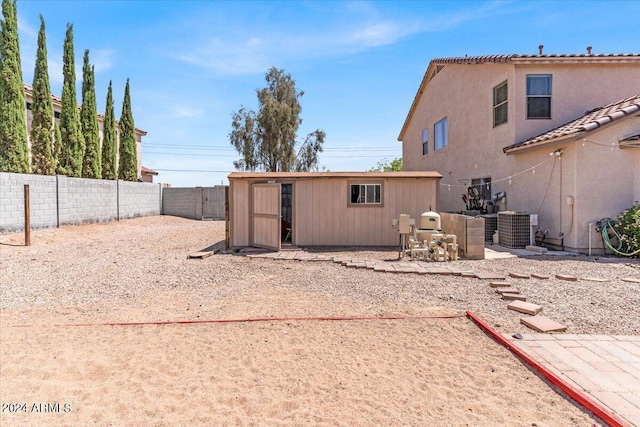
(182, 202)
(84, 201)
(42, 195)
(469, 231)
(139, 199)
(60, 200)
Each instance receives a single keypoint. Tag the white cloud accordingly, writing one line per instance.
(182, 111)
(102, 59)
(231, 48)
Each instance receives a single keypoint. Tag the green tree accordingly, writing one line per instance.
(14, 154)
(109, 139)
(91, 166)
(266, 140)
(42, 161)
(57, 149)
(385, 165)
(70, 129)
(128, 163)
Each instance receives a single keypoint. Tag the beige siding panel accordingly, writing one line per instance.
(240, 213)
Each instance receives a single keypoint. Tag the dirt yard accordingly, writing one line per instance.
(60, 365)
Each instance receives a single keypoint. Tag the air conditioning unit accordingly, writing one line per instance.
(490, 226)
(514, 229)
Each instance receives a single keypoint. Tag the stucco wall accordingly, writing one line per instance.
(60, 200)
(464, 94)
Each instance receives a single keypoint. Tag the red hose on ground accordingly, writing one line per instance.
(258, 319)
(583, 399)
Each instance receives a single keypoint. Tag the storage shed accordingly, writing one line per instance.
(275, 209)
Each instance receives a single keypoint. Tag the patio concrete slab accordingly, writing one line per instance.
(602, 366)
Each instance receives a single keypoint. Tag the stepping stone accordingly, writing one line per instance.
(628, 279)
(566, 277)
(539, 276)
(537, 249)
(467, 274)
(512, 297)
(380, 267)
(490, 276)
(543, 324)
(519, 275)
(500, 284)
(525, 307)
(507, 291)
(438, 270)
(595, 279)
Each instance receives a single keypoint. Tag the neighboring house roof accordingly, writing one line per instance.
(437, 64)
(147, 171)
(57, 101)
(281, 175)
(591, 121)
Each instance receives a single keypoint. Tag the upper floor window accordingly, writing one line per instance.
(500, 109)
(425, 141)
(539, 96)
(365, 194)
(441, 134)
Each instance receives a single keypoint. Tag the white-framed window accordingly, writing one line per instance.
(441, 134)
(538, 96)
(425, 142)
(365, 194)
(500, 104)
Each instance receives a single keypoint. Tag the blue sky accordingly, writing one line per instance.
(193, 63)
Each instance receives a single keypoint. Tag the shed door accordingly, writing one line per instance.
(265, 216)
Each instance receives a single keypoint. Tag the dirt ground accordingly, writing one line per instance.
(61, 365)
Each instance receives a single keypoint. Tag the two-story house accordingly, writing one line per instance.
(557, 133)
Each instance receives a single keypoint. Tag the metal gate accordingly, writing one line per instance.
(265, 216)
(213, 202)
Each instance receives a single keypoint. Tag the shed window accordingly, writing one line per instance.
(365, 194)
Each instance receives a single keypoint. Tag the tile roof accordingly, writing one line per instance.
(591, 120)
(148, 171)
(560, 58)
(28, 90)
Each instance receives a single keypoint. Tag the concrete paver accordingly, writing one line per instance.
(603, 367)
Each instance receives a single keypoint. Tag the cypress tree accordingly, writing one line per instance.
(42, 110)
(128, 164)
(57, 150)
(72, 140)
(109, 139)
(14, 148)
(91, 165)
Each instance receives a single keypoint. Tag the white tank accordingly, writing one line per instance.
(430, 221)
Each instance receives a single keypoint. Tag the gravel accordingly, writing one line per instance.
(82, 270)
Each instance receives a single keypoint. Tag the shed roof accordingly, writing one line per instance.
(591, 121)
(435, 65)
(281, 175)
